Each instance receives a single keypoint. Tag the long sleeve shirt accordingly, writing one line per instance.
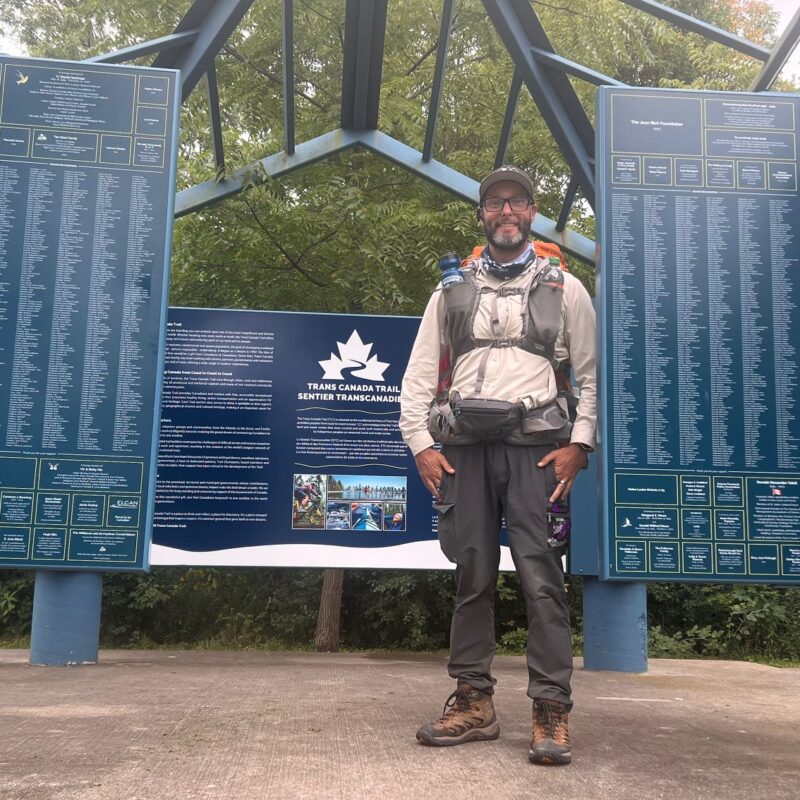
(511, 373)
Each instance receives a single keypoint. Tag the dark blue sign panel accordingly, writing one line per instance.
(700, 319)
(87, 175)
(280, 443)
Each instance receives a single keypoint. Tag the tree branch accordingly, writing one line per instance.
(561, 9)
(421, 59)
(295, 262)
(226, 48)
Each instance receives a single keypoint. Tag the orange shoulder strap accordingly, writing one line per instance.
(542, 249)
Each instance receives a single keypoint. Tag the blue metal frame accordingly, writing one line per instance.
(162, 44)
(520, 29)
(287, 10)
(275, 166)
(215, 21)
(706, 30)
(569, 200)
(206, 26)
(212, 92)
(779, 55)
(438, 77)
(572, 68)
(508, 119)
(364, 36)
(212, 191)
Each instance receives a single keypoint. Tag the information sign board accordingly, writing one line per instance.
(280, 444)
(700, 325)
(87, 175)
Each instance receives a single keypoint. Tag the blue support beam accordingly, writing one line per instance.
(162, 44)
(288, 76)
(614, 625)
(520, 29)
(214, 21)
(66, 618)
(779, 55)
(569, 200)
(467, 189)
(364, 37)
(710, 32)
(275, 166)
(508, 119)
(572, 68)
(438, 77)
(216, 123)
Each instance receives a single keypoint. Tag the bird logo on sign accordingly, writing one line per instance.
(23, 79)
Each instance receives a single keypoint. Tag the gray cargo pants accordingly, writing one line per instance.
(492, 479)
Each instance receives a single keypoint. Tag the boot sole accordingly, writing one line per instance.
(550, 759)
(488, 733)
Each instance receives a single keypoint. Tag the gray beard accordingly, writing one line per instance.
(507, 241)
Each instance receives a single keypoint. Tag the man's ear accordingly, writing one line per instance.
(478, 214)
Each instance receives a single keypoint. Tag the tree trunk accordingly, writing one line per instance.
(326, 638)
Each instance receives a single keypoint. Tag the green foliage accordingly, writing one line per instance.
(409, 610)
(234, 608)
(16, 603)
(724, 621)
(406, 609)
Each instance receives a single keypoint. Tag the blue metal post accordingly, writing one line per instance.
(66, 618)
(614, 626)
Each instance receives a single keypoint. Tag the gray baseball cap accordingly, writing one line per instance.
(507, 173)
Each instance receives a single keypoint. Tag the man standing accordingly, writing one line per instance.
(486, 379)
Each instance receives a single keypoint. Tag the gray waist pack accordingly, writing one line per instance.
(460, 421)
(487, 420)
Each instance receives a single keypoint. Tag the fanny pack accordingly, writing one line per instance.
(487, 420)
(459, 421)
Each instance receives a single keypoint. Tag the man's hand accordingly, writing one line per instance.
(431, 464)
(569, 461)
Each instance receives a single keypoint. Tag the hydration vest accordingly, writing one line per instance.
(541, 302)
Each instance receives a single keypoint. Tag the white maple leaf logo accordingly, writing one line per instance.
(354, 353)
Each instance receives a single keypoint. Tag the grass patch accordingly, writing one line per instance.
(21, 643)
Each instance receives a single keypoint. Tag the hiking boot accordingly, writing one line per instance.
(468, 716)
(550, 743)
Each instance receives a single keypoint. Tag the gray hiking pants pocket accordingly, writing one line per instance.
(447, 520)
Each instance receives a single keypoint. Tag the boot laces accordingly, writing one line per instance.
(458, 701)
(550, 718)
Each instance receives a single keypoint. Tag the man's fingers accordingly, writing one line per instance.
(547, 459)
(562, 489)
(432, 484)
(432, 465)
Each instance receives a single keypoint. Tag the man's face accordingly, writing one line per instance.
(507, 229)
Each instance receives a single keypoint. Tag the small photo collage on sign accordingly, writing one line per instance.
(349, 502)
